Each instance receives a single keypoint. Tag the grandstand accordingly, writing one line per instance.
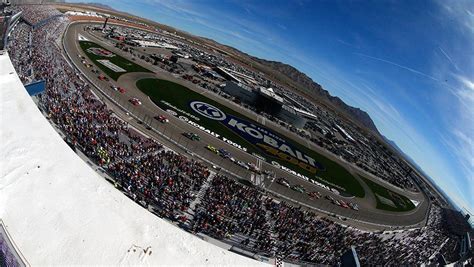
(98, 206)
(455, 222)
(59, 211)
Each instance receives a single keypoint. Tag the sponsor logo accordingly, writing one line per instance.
(172, 112)
(177, 109)
(267, 141)
(271, 144)
(208, 110)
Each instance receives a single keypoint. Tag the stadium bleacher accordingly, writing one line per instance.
(183, 190)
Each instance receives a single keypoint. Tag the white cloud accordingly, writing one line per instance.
(466, 82)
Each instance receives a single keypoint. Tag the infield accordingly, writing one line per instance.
(112, 64)
(251, 135)
(387, 199)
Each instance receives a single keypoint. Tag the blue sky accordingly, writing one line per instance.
(409, 64)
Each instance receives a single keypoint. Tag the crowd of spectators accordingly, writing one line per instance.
(367, 153)
(34, 14)
(165, 180)
(145, 171)
(168, 183)
(228, 208)
(20, 41)
(321, 129)
(249, 218)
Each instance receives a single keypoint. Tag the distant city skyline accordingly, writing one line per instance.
(409, 64)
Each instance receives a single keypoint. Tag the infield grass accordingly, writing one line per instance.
(180, 97)
(125, 64)
(387, 199)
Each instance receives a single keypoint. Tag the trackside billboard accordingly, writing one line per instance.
(269, 142)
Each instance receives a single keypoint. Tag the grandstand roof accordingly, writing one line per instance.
(155, 44)
(305, 113)
(270, 94)
(58, 210)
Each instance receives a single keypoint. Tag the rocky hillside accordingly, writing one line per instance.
(318, 91)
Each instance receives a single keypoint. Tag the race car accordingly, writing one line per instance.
(254, 168)
(103, 78)
(192, 136)
(314, 195)
(224, 153)
(353, 206)
(283, 182)
(135, 101)
(117, 88)
(298, 188)
(330, 198)
(343, 204)
(243, 164)
(161, 119)
(213, 149)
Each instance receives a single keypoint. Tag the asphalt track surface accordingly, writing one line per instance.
(368, 217)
